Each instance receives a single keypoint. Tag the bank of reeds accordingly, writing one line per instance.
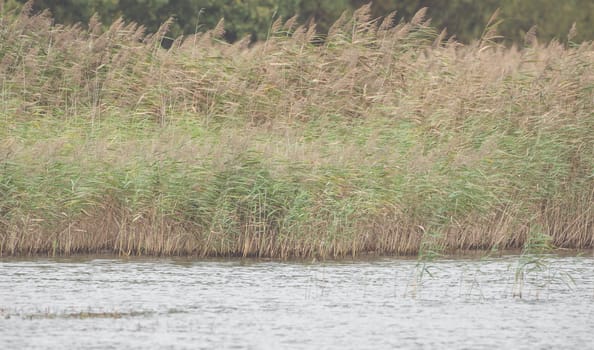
(381, 137)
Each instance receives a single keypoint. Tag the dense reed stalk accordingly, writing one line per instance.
(382, 137)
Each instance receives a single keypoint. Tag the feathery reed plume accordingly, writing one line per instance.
(419, 17)
(290, 23)
(219, 31)
(530, 37)
(572, 32)
(276, 26)
(388, 21)
(490, 35)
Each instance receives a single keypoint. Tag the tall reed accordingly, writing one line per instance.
(359, 142)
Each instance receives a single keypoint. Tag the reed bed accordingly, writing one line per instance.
(381, 137)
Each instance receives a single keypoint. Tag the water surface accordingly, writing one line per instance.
(380, 304)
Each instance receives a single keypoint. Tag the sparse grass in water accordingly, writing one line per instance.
(286, 148)
(534, 268)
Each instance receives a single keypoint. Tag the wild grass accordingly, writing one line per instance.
(383, 137)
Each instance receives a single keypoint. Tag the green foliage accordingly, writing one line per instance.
(464, 18)
(553, 19)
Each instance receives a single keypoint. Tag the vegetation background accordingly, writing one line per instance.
(464, 18)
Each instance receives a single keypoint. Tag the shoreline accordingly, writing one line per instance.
(447, 255)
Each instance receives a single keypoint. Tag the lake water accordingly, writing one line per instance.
(378, 304)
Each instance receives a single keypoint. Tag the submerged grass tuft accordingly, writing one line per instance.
(380, 138)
